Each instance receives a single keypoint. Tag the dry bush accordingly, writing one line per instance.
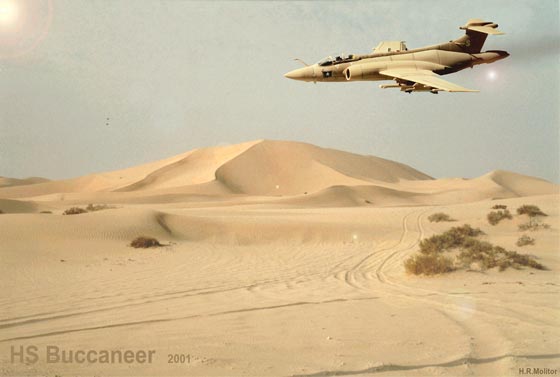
(525, 240)
(439, 217)
(74, 211)
(1, 212)
(465, 231)
(90, 208)
(516, 260)
(481, 253)
(495, 217)
(489, 256)
(46, 212)
(451, 239)
(145, 242)
(428, 264)
(533, 226)
(97, 207)
(530, 210)
(499, 206)
(431, 260)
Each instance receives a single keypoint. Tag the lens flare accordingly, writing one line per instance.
(24, 24)
(492, 75)
(8, 13)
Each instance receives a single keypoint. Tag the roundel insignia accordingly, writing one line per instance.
(468, 43)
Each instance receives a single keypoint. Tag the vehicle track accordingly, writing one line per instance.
(350, 275)
(433, 296)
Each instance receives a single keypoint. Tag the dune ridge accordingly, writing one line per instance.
(8, 182)
(277, 258)
(281, 172)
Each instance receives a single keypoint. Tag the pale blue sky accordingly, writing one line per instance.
(175, 75)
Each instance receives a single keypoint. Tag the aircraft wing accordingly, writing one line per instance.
(426, 78)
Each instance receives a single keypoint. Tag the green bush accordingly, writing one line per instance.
(74, 211)
(495, 217)
(530, 210)
(525, 240)
(145, 242)
(439, 217)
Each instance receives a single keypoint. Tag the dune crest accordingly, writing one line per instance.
(279, 172)
(9, 182)
(290, 168)
(520, 185)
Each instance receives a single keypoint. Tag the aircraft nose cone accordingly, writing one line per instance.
(304, 74)
(501, 54)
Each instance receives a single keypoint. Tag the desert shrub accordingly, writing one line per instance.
(533, 212)
(533, 226)
(431, 260)
(525, 240)
(145, 242)
(439, 217)
(530, 210)
(74, 211)
(495, 217)
(1, 212)
(428, 264)
(97, 207)
(465, 231)
(479, 252)
(45, 212)
(489, 256)
(499, 206)
(450, 239)
(516, 260)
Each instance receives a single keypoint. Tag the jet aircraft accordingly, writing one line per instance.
(416, 70)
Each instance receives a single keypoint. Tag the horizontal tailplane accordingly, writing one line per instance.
(476, 32)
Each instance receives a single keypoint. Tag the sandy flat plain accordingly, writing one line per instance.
(281, 259)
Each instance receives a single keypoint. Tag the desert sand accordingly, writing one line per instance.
(280, 259)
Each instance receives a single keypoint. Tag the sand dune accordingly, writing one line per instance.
(274, 291)
(521, 185)
(287, 168)
(199, 166)
(280, 259)
(355, 196)
(7, 182)
(264, 170)
(259, 167)
(17, 206)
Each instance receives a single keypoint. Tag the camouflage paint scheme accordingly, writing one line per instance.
(412, 70)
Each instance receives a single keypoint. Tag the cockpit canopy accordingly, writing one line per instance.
(329, 60)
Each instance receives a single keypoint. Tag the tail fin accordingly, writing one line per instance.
(476, 32)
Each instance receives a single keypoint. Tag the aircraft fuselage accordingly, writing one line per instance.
(441, 59)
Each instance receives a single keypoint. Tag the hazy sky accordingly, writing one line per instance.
(176, 75)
